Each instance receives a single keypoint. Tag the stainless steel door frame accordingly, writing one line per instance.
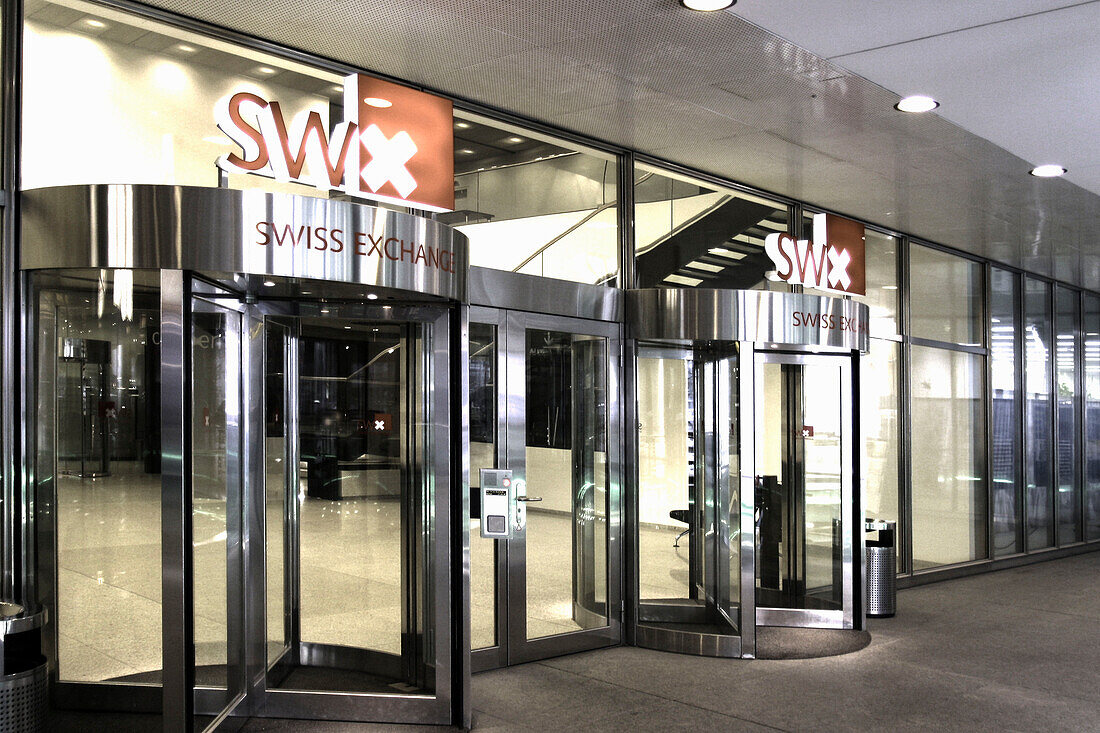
(396, 708)
(513, 646)
(494, 656)
(850, 541)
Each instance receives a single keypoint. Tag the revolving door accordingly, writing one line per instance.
(747, 465)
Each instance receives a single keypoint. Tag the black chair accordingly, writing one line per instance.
(681, 515)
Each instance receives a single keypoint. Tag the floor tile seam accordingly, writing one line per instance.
(662, 697)
(96, 649)
(157, 601)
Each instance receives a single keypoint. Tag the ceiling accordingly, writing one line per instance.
(810, 117)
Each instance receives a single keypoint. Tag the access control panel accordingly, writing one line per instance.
(496, 503)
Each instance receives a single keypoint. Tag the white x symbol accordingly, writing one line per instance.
(388, 160)
(379, 424)
(838, 267)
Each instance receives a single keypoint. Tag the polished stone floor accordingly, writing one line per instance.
(1014, 650)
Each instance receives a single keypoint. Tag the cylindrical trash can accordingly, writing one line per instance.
(24, 682)
(882, 563)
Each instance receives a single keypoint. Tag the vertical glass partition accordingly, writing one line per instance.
(1005, 372)
(96, 383)
(1091, 329)
(1068, 493)
(1038, 415)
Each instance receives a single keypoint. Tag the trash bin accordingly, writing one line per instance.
(882, 564)
(24, 681)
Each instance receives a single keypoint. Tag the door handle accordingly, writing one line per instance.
(528, 498)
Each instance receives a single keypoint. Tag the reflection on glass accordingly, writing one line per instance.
(688, 233)
(945, 296)
(1007, 528)
(800, 526)
(534, 204)
(97, 454)
(1038, 461)
(948, 473)
(566, 460)
(483, 438)
(1068, 494)
(879, 428)
(1091, 329)
(215, 412)
(279, 475)
(882, 282)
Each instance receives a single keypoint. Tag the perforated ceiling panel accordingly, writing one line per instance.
(710, 91)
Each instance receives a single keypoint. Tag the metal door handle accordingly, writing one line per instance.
(528, 498)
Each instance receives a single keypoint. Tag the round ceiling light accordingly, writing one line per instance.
(916, 104)
(1048, 171)
(707, 6)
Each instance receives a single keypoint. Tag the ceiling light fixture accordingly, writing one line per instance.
(1048, 171)
(514, 140)
(266, 70)
(269, 283)
(916, 104)
(372, 296)
(185, 48)
(462, 125)
(378, 102)
(466, 151)
(707, 6)
(95, 23)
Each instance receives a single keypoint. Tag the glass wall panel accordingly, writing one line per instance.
(945, 297)
(1068, 496)
(483, 454)
(879, 423)
(882, 283)
(1038, 438)
(535, 204)
(1091, 328)
(948, 473)
(688, 233)
(146, 94)
(1004, 364)
(97, 465)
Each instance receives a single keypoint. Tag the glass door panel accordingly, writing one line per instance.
(216, 506)
(539, 407)
(803, 490)
(566, 496)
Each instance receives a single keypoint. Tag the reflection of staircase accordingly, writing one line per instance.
(723, 247)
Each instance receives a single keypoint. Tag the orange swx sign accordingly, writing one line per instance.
(834, 260)
(395, 144)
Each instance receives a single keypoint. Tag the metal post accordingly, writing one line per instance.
(177, 568)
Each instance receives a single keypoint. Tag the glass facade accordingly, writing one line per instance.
(945, 297)
(1038, 421)
(1004, 357)
(689, 233)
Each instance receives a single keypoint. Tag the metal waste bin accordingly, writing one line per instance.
(24, 682)
(882, 564)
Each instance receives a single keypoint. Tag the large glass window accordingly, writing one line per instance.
(1091, 328)
(1068, 496)
(945, 297)
(97, 471)
(948, 473)
(1038, 423)
(1004, 300)
(882, 283)
(879, 427)
(688, 233)
(534, 204)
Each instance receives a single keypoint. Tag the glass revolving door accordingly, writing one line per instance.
(689, 504)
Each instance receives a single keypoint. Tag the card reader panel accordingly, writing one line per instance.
(497, 502)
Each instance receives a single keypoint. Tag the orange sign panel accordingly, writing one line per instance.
(834, 260)
(396, 144)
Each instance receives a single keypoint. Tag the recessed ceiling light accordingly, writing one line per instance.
(95, 23)
(325, 310)
(269, 283)
(1048, 171)
(513, 139)
(916, 104)
(347, 328)
(372, 296)
(462, 125)
(185, 48)
(337, 88)
(378, 102)
(466, 151)
(707, 6)
(266, 70)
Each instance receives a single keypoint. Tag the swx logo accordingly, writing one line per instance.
(395, 144)
(833, 260)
